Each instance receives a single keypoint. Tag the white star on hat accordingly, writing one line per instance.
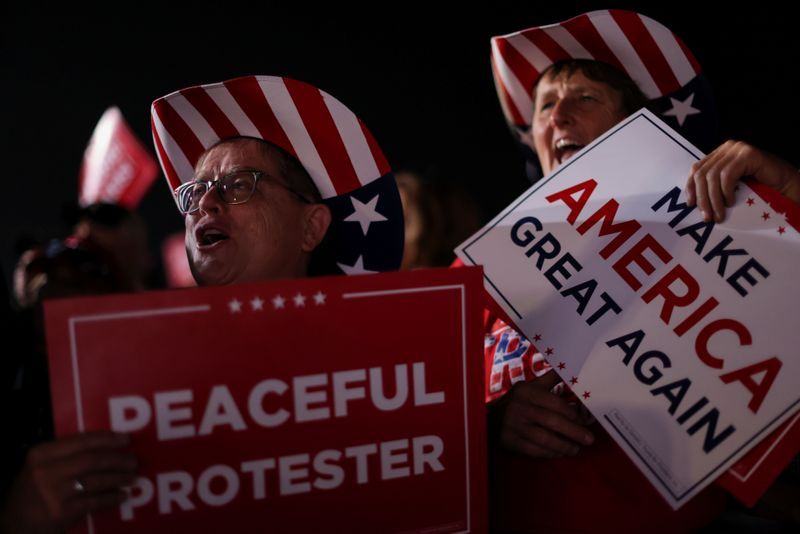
(681, 110)
(278, 302)
(235, 306)
(299, 300)
(319, 298)
(356, 268)
(365, 214)
(257, 304)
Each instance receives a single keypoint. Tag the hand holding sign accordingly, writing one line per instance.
(537, 422)
(65, 479)
(713, 179)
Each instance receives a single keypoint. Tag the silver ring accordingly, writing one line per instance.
(78, 486)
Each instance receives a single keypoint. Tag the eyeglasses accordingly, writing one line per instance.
(234, 188)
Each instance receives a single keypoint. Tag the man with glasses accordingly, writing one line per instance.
(255, 226)
(276, 179)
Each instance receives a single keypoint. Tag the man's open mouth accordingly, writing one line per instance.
(210, 236)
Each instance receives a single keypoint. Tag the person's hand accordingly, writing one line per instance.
(712, 180)
(532, 420)
(66, 479)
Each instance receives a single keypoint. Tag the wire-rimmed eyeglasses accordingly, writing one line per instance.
(234, 188)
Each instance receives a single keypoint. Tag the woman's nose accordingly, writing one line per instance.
(561, 113)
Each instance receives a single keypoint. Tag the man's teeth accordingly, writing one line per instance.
(211, 237)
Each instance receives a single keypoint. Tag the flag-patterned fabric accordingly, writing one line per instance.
(330, 142)
(648, 52)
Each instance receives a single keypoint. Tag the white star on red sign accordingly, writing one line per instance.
(235, 306)
(257, 304)
(278, 302)
(319, 298)
(299, 300)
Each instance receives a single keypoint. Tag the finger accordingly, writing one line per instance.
(585, 417)
(697, 169)
(76, 509)
(715, 196)
(697, 175)
(101, 483)
(533, 396)
(701, 192)
(80, 465)
(521, 419)
(691, 195)
(547, 440)
(556, 423)
(544, 401)
(729, 177)
(722, 178)
(78, 443)
(515, 442)
(547, 381)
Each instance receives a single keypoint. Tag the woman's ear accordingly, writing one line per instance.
(318, 219)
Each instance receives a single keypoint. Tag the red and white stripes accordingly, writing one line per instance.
(331, 143)
(646, 50)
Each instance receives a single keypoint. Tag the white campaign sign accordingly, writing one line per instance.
(679, 336)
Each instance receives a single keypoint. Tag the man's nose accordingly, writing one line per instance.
(211, 202)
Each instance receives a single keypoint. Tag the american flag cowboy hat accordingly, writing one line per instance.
(330, 142)
(647, 51)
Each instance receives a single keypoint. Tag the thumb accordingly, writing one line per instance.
(549, 380)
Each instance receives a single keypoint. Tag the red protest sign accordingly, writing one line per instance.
(176, 264)
(116, 167)
(751, 476)
(357, 398)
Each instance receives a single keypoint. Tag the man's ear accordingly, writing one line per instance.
(318, 219)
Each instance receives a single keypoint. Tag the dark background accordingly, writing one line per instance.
(417, 74)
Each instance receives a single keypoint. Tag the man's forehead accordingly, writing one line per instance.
(233, 154)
